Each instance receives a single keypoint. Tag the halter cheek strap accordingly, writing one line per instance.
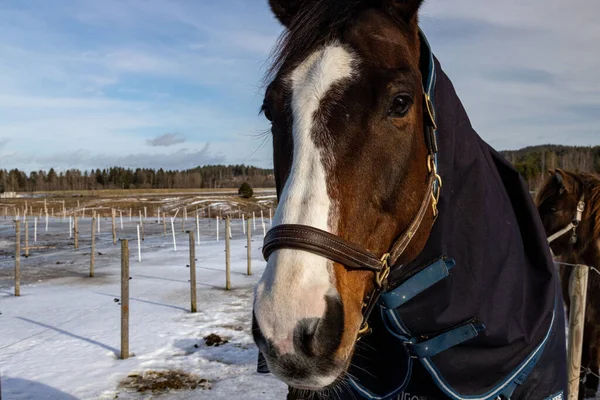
(573, 225)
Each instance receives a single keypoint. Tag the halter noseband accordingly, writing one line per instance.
(573, 225)
(352, 256)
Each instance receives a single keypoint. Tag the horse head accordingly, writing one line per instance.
(568, 206)
(348, 113)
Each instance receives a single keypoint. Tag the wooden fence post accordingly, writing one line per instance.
(114, 226)
(18, 258)
(227, 255)
(142, 224)
(173, 231)
(183, 221)
(76, 231)
(198, 226)
(249, 237)
(164, 224)
(26, 237)
(578, 289)
(124, 299)
(93, 252)
(139, 244)
(194, 307)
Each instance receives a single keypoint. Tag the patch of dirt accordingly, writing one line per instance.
(214, 340)
(163, 381)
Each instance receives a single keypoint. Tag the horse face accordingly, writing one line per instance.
(557, 203)
(350, 159)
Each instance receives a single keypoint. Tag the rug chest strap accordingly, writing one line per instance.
(418, 283)
(443, 341)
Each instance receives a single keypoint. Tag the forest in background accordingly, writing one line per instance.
(211, 176)
(532, 162)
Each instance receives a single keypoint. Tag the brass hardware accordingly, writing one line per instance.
(382, 275)
(430, 111)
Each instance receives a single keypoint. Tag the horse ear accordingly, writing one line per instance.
(558, 178)
(405, 10)
(565, 181)
(285, 10)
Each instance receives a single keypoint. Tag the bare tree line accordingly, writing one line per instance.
(211, 176)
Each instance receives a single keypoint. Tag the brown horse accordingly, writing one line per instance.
(365, 234)
(557, 202)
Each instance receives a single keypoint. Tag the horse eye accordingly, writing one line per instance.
(400, 105)
(265, 110)
(553, 209)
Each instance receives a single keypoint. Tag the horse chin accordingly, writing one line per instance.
(313, 383)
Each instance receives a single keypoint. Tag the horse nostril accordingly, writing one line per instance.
(304, 335)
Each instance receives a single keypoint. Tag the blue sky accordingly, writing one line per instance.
(175, 84)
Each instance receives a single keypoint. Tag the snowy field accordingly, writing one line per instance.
(60, 339)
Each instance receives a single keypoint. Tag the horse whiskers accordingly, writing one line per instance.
(368, 346)
(362, 369)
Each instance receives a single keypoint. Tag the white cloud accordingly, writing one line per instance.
(522, 69)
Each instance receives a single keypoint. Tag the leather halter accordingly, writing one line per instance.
(573, 225)
(352, 256)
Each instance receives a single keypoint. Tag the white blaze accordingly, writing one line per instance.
(295, 283)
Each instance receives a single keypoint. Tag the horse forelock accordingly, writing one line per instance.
(319, 23)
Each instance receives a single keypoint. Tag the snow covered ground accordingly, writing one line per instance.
(61, 338)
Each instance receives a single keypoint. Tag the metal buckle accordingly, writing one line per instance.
(382, 275)
(430, 111)
(365, 330)
(435, 193)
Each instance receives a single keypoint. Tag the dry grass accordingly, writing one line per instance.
(136, 200)
(141, 192)
(163, 381)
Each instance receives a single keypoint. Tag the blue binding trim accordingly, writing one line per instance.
(444, 341)
(370, 395)
(417, 283)
(366, 392)
(506, 388)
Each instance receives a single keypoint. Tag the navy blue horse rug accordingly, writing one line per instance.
(486, 263)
